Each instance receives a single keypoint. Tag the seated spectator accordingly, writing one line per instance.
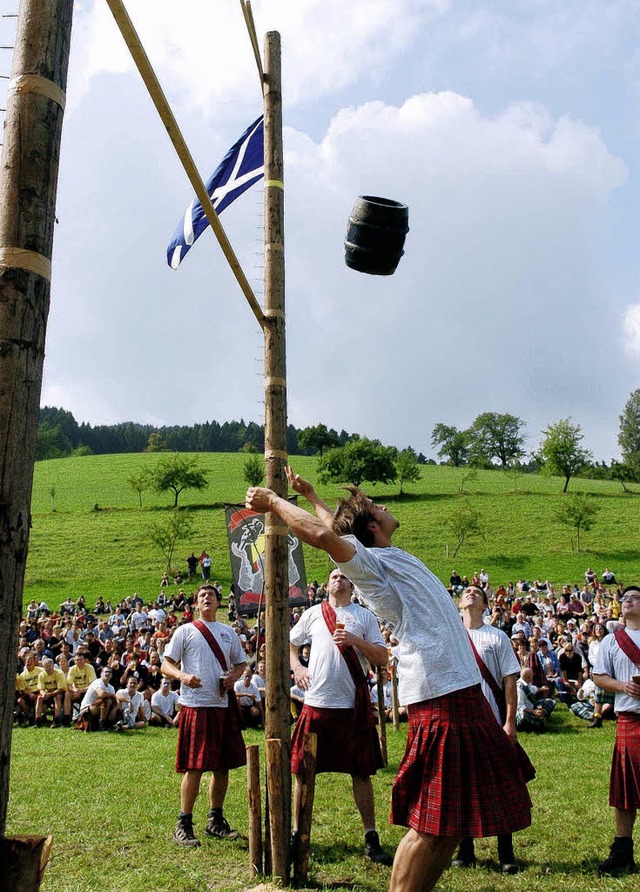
(52, 686)
(608, 577)
(249, 700)
(130, 700)
(532, 713)
(99, 702)
(259, 680)
(79, 677)
(165, 707)
(584, 705)
(550, 663)
(573, 668)
(538, 677)
(455, 583)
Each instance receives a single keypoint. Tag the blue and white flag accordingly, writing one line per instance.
(241, 167)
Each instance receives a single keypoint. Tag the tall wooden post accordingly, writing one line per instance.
(276, 577)
(28, 182)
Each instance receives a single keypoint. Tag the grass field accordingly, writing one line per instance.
(76, 549)
(110, 802)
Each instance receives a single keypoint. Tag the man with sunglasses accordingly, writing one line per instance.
(617, 669)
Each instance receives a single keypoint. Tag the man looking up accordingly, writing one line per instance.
(616, 669)
(500, 669)
(337, 705)
(455, 765)
(206, 657)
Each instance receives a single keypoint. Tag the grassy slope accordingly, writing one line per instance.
(77, 550)
(110, 801)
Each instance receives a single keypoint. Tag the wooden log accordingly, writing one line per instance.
(279, 836)
(28, 185)
(254, 792)
(394, 695)
(306, 788)
(382, 715)
(23, 860)
(276, 552)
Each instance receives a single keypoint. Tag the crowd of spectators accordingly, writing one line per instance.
(101, 667)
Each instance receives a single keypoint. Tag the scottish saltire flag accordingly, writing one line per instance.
(241, 167)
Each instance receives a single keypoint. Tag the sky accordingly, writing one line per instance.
(510, 128)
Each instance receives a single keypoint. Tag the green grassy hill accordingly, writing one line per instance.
(96, 541)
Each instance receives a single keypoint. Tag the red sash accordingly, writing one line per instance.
(363, 714)
(524, 763)
(627, 646)
(234, 709)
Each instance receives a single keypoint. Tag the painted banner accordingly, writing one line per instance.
(245, 532)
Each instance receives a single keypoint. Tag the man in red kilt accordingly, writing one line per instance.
(458, 776)
(337, 705)
(499, 668)
(617, 669)
(207, 658)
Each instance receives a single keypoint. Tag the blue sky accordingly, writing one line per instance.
(511, 129)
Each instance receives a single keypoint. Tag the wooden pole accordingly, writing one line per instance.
(382, 715)
(277, 807)
(28, 183)
(254, 792)
(394, 694)
(307, 781)
(276, 581)
(158, 98)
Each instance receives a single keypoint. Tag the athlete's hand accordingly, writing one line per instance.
(191, 681)
(302, 677)
(258, 499)
(341, 636)
(303, 487)
(631, 689)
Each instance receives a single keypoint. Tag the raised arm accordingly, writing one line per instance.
(304, 488)
(310, 529)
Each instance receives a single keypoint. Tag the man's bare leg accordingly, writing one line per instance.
(625, 819)
(363, 795)
(189, 791)
(218, 788)
(420, 860)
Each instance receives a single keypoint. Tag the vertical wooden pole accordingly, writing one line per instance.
(394, 694)
(28, 182)
(255, 811)
(307, 781)
(276, 581)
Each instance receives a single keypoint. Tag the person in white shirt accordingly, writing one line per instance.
(617, 669)
(100, 701)
(165, 706)
(249, 700)
(130, 700)
(441, 802)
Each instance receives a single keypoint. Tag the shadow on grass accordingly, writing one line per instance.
(409, 497)
(517, 562)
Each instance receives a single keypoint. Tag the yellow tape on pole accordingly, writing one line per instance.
(32, 83)
(20, 258)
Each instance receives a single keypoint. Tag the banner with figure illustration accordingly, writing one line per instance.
(245, 532)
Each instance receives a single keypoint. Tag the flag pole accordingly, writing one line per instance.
(253, 37)
(152, 84)
(277, 716)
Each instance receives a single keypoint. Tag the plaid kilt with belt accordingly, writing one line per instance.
(624, 785)
(459, 775)
(342, 746)
(208, 740)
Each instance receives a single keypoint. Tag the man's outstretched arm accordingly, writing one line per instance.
(304, 488)
(310, 529)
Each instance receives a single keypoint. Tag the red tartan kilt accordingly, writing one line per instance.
(342, 746)
(460, 775)
(208, 740)
(624, 785)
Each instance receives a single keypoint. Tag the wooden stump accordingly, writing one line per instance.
(23, 859)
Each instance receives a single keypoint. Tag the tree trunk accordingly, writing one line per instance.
(566, 483)
(28, 182)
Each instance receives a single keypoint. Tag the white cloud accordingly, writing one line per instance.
(631, 330)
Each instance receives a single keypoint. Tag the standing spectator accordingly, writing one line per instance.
(205, 564)
(206, 657)
(192, 564)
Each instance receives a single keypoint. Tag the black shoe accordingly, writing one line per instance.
(620, 858)
(184, 836)
(509, 867)
(462, 862)
(219, 827)
(373, 851)
(596, 722)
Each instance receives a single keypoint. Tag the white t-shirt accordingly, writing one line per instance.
(166, 704)
(497, 654)
(260, 683)
(248, 695)
(433, 651)
(190, 648)
(95, 690)
(331, 684)
(612, 660)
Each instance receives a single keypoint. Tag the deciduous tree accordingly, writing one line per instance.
(629, 435)
(166, 534)
(253, 470)
(407, 467)
(464, 523)
(358, 461)
(451, 444)
(317, 439)
(176, 473)
(561, 451)
(578, 511)
(494, 436)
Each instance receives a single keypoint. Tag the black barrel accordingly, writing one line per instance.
(375, 235)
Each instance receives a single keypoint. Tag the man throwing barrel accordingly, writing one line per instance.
(337, 704)
(458, 763)
(617, 669)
